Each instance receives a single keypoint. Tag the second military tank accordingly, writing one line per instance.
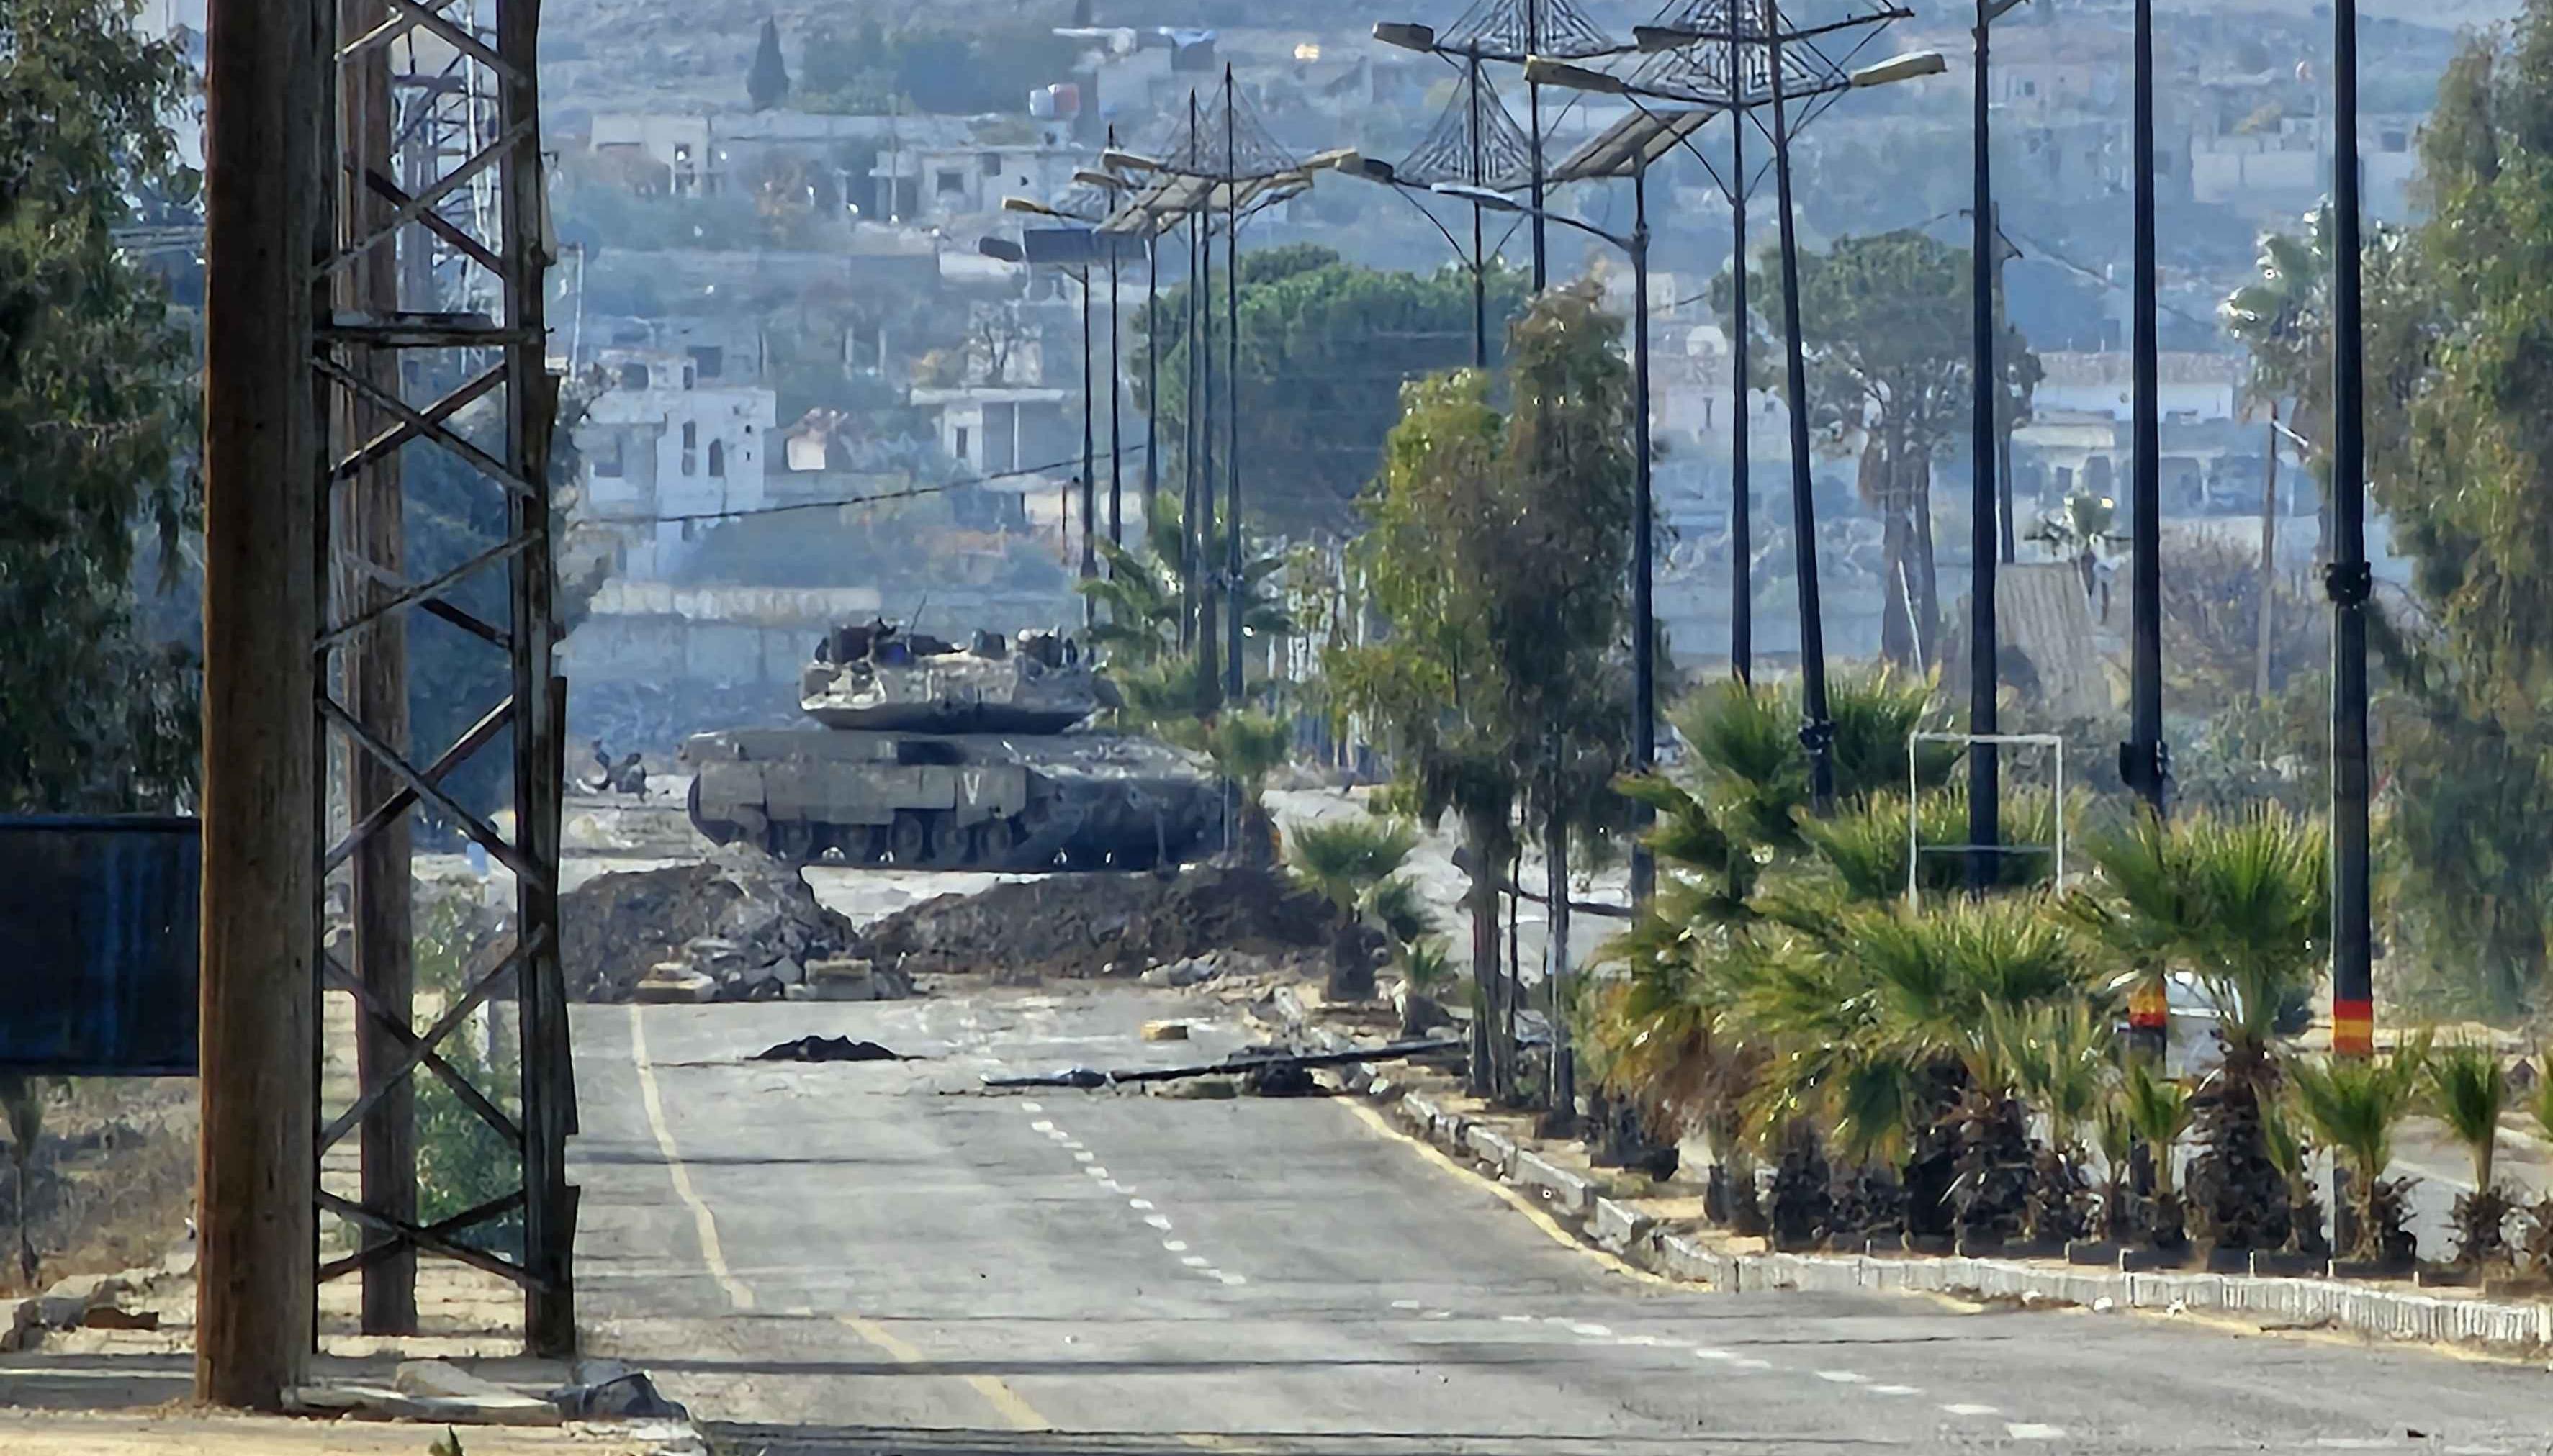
(932, 753)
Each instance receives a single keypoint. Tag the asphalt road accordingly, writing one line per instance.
(882, 1258)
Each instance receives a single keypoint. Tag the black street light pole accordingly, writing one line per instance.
(1533, 133)
(1984, 778)
(1151, 363)
(1816, 731)
(1232, 396)
(2348, 580)
(1116, 441)
(1741, 534)
(2144, 763)
(1645, 701)
(1480, 257)
(1090, 485)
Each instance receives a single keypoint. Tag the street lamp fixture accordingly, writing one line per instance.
(1369, 169)
(1036, 208)
(1001, 249)
(1407, 34)
(1480, 196)
(1543, 70)
(1328, 160)
(1106, 182)
(1128, 162)
(1651, 39)
(1906, 67)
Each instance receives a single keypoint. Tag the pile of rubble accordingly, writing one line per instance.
(1082, 925)
(745, 923)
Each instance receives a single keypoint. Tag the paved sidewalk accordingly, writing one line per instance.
(213, 1433)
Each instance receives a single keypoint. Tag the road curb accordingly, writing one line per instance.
(2498, 1326)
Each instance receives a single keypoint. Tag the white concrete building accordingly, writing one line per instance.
(2195, 387)
(663, 442)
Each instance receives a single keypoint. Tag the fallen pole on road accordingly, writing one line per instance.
(1090, 1079)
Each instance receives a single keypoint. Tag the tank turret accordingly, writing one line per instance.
(879, 678)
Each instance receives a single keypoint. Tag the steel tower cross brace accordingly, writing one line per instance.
(446, 349)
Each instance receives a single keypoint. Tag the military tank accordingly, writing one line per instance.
(936, 755)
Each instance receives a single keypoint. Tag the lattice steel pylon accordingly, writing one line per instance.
(1511, 29)
(435, 336)
(1474, 141)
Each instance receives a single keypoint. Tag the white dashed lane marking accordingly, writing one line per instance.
(1963, 1409)
(1158, 1221)
(2022, 1430)
(1844, 1377)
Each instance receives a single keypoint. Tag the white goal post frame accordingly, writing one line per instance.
(1915, 848)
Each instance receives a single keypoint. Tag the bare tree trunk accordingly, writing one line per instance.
(1555, 880)
(1481, 901)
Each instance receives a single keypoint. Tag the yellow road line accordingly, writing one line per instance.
(1514, 1198)
(1005, 1402)
(738, 1293)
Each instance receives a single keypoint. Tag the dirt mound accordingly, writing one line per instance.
(1072, 925)
(752, 911)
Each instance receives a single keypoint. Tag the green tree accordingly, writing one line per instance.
(2470, 733)
(1497, 556)
(766, 85)
(1884, 324)
(96, 417)
(1324, 347)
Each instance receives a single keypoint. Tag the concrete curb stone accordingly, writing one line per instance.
(1574, 1195)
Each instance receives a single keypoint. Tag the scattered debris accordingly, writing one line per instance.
(1165, 1031)
(741, 918)
(605, 1389)
(116, 1317)
(1198, 1090)
(826, 1049)
(1246, 1064)
(1185, 970)
(427, 1390)
(1080, 925)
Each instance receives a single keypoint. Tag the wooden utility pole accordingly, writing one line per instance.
(371, 552)
(254, 1297)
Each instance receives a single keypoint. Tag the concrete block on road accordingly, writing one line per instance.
(1490, 1146)
(1573, 1194)
(1619, 1226)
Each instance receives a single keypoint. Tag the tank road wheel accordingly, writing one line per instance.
(908, 839)
(865, 844)
(994, 840)
(949, 842)
(792, 841)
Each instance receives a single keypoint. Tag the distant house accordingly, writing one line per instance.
(667, 448)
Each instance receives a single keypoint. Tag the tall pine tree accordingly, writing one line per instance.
(767, 83)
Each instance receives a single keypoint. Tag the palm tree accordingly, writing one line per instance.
(2243, 904)
(2158, 1112)
(2293, 1156)
(1247, 748)
(2061, 1055)
(2471, 1090)
(2259, 881)
(1342, 859)
(1144, 595)
(2355, 1103)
